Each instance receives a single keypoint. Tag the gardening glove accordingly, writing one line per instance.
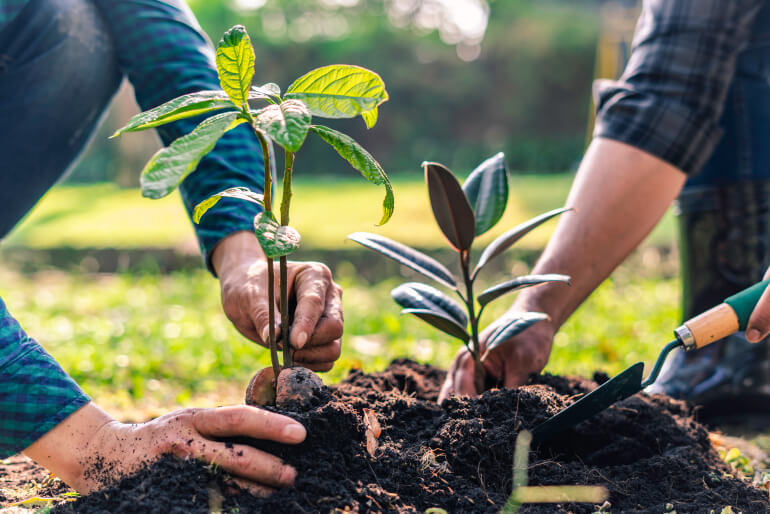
(759, 322)
(89, 449)
(316, 329)
(509, 364)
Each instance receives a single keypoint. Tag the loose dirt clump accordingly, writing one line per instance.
(648, 451)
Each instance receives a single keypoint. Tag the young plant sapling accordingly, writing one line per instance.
(463, 213)
(335, 91)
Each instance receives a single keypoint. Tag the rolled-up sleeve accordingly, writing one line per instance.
(164, 53)
(35, 393)
(671, 94)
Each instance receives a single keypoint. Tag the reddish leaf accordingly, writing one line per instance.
(451, 208)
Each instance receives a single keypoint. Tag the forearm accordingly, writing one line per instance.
(66, 448)
(619, 194)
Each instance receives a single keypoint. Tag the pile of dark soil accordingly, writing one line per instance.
(648, 451)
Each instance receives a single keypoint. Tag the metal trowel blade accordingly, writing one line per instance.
(617, 388)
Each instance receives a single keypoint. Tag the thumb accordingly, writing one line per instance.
(261, 319)
(759, 322)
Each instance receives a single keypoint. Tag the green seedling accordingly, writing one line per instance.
(464, 213)
(336, 91)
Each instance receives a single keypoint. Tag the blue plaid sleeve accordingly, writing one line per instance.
(671, 94)
(35, 393)
(164, 53)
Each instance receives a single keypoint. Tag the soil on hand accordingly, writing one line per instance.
(648, 451)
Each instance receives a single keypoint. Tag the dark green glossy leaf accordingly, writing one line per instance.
(361, 160)
(409, 257)
(512, 326)
(505, 241)
(235, 64)
(450, 206)
(487, 191)
(184, 106)
(170, 165)
(241, 193)
(441, 321)
(340, 91)
(286, 123)
(519, 283)
(414, 295)
(276, 240)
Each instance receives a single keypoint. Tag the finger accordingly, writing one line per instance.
(311, 286)
(321, 367)
(759, 322)
(330, 352)
(244, 420)
(245, 462)
(239, 485)
(330, 324)
(464, 377)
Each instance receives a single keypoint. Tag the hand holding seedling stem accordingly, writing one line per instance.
(336, 91)
(464, 213)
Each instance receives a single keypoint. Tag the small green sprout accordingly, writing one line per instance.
(463, 213)
(335, 91)
(523, 493)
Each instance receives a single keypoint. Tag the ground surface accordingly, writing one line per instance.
(648, 451)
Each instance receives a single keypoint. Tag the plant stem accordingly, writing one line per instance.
(478, 367)
(268, 190)
(283, 263)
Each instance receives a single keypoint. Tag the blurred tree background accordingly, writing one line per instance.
(467, 78)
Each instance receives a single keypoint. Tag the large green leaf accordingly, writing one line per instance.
(504, 241)
(340, 91)
(519, 283)
(361, 160)
(409, 257)
(414, 295)
(276, 240)
(235, 64)
(286, 123)
(513, 325)
(487, 191)
(184, 106)
(241, 193)
(441, 321)
(170, 165)
(450, 206)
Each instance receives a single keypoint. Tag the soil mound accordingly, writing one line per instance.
(647, 450)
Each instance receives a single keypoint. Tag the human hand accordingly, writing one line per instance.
(511, 363)
(89, 438)
(759, 321)
(317, 322)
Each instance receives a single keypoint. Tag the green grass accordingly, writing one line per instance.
(143, 344)
(325, 211)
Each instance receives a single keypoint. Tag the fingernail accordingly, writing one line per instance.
(753, 335)
(294, 432)
(288, 474)
(301, 339)
(265, 333)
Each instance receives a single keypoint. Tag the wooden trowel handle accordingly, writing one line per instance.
(722, 320)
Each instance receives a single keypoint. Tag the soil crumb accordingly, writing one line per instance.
(647, 450)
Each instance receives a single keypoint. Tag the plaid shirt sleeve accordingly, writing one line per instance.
(670, 97)
(35, 393)
(162, 50)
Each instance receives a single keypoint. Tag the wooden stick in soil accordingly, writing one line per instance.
(478, 367)
(271, 342)
(283, 263)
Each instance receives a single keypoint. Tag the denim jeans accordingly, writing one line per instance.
(58, 73)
